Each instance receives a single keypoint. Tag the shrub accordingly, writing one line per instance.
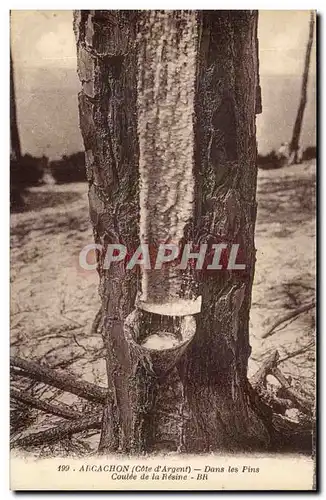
(27, 171)
(269, 161)
(310, 153)
(69, 168)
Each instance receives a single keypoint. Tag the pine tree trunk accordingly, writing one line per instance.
(16, 187)
(295, 141)
(203, 402)
(15, 152)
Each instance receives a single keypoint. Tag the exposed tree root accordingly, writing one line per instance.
(270, 367)
(292, 436)
(303, 404)
(286, 433)
(259, 379)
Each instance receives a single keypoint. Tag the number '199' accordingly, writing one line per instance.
(63, 468)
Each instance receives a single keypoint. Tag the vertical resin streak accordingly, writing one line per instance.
(166, 88)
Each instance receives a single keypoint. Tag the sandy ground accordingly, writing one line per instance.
(285, 269)
(53, 302)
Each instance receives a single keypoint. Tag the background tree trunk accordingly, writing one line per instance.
(205, 402)
(295, 141)
(16, 184)
(15, 152)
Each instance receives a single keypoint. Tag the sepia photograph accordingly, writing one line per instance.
(163, 250)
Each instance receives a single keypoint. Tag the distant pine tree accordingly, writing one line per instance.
(294, 145)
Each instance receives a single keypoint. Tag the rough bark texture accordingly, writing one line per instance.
(295, 141)
(204, 402)
(226, 174)
(107, 67)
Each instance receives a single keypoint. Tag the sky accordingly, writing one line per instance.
(44, 55)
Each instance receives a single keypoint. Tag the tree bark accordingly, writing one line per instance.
(107, 67)
(295, 141)
(203, 402)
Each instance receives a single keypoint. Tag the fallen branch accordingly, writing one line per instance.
(57, 409)
(288, 316)
(65, 363)
(58, 433)
(293, 354)
(62, 381)
(17, 372)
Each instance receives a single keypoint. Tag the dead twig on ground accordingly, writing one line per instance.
(66, 362)
(288, 316)
(293, 354)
